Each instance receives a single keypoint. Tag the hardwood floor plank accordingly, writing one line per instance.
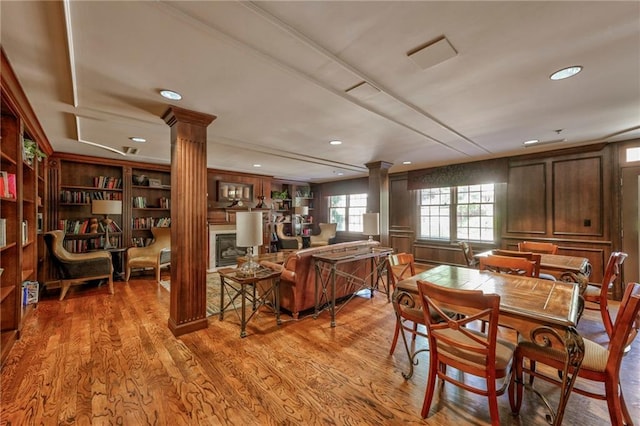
(96, 358)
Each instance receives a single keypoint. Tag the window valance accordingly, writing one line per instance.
(477, 172)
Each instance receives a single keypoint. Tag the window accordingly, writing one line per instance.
(347, 211)
(467, 212)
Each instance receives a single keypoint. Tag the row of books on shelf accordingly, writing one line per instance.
(86, 226)
(85, 197)
(7, 184)
(141, 203)
(107, 182)
(141, 241)
(84, 245)
(150, 222)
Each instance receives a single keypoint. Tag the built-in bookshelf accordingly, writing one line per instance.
(21, 179)
(150, 203)
(81, 184)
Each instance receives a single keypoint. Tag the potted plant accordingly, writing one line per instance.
(31, 151)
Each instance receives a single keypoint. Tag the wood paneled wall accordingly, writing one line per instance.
(564, 196)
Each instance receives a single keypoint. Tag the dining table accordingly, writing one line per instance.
(540, 310)
(566, 268)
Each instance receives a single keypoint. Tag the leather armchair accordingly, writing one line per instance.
(286, 242)
(76, 268)
(156, 255)
(327, 233)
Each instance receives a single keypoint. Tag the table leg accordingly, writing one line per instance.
(277, 302)
(243, 322)
(221, 315)
(332, 304)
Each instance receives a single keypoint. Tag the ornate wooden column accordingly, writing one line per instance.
(188, 307)
(378, 196)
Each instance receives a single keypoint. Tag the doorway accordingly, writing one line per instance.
(630, 220)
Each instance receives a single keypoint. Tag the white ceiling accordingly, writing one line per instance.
(276, 74)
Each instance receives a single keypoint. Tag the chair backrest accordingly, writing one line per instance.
(625, 329)
(507, 265)
(327, 230)
(474, 305)
(611, 273)
(536, 258)
(161, 237)
(54, 240)
(467, 252)
(401, 266)
(538, 247)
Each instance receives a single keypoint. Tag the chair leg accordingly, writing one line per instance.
(396, 333)
(431, 384)
(65, 288)
(615, 402)
(111, 283)
(493, 402)
(158, 274)
(127, 273)
(516, 385)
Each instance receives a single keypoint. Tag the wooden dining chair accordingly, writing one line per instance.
(536, 258)
(507, 265)
(599, 364)
(467, 252)
(408, 313)
(538, 247)
(596, 294)
(453, 344)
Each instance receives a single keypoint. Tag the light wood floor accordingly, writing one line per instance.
(101, 359)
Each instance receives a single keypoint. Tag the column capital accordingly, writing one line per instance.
(385, 165)
(176, 114)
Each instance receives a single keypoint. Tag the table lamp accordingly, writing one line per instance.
(249, 235)
(106, 207)
(371, 224)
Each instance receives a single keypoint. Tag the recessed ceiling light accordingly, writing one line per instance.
(171, 95)
(336, 142)
(531, 142)
(566, 72)
(137, 139)
(406, 162)
(257, 165)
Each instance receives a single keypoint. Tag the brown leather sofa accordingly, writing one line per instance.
(297, 278)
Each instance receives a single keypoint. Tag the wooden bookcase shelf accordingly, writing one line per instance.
(21, 210)
(145, 191)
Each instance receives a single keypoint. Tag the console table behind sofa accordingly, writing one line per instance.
(297, 278)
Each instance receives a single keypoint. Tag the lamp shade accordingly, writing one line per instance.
(302, 210)
(248, 229)
(371, 223)
(106, 207)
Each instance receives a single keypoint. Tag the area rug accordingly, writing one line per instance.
(213, 293)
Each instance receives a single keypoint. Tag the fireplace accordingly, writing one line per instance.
(227, 252)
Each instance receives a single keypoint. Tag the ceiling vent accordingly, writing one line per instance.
(129, 150)
(362, 90)
(432, 53)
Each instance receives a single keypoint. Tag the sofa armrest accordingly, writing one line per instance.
(272, 265)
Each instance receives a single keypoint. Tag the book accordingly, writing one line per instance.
(3, 232)
(11, 177)
(4, 184)
(25, 232)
